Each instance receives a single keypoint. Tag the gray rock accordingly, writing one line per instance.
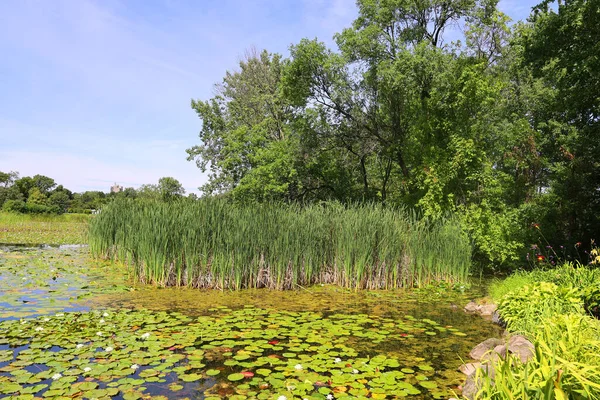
(473, 383)
(521, 347)
(471, 387)
(497, 319)
(482, 348)
(469, 368)
(472, 307)
(500, 350)
(487, 309)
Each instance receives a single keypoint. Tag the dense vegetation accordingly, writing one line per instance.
(502, 127)
(555, 309)
(212, 243)
(41, 195)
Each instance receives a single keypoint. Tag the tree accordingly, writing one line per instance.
(59, 199)
(43, 183)
(561, 50)
(8, 178)
(245, 133)
(170, 188)
(37, 197)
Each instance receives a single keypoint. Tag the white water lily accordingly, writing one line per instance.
(98, 333)
(146, 335)
(329, 396)
(282, 398)
(105, 314)
(355, 371)
(87, 369)
(101, 321)
(56, 376)
(134, 367)
(337, 360)
(39, 328)
(79, 345)
(298, 367)
(108, 349)
(46, 319)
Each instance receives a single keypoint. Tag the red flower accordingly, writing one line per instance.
(540, 257)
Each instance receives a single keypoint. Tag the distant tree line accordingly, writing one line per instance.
(501, 128)
(42, 195)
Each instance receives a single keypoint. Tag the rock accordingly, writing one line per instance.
(469, 368)
(521, 347)
(471, 387)
(472, 307)
(479, 351)
(500, 350)
(497, 319)
(487, 309)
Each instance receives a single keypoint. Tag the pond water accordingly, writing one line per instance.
(75, 327)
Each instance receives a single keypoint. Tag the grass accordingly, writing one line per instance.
(552, 308)
(43, 229)
(214, 244)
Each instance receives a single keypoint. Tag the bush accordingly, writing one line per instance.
(524, 310)
(14, 206)
(41, 209)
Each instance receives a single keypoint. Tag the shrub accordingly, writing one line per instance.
(14, 206)
(525, 309)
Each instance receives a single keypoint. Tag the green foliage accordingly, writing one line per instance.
(551, 308)
(170, 188)
(566, 364)
(524, 310)
(212, 243)
(14, 206)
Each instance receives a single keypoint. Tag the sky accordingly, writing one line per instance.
(97, 92)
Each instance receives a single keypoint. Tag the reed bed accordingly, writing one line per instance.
(215, 244)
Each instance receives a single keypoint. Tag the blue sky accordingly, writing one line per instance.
(98, 91)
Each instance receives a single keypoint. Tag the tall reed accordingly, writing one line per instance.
(215, 244)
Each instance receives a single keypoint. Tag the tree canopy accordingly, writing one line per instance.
(500, 127)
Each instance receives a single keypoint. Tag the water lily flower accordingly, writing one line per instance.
(355, 371)
(79, 345)
(56, 376)
(105, 314)
(134, 367)
(298, 367)
(145, 335)
(46, 319)
(108, 349)
(60, 314)
(98, 333)
(87, 369)
(282, 398)
(39, 328)
(101, 321)
(329, 396)
(337, 360)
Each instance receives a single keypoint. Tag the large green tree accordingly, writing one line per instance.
(561, 47)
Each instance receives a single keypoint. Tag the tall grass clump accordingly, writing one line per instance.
(555, 309)
(215, 244)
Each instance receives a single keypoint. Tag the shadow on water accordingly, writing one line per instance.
(51, 302)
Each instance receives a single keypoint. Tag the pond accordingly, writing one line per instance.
(75, 327)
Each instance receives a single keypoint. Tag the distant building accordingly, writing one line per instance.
(116, 188)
